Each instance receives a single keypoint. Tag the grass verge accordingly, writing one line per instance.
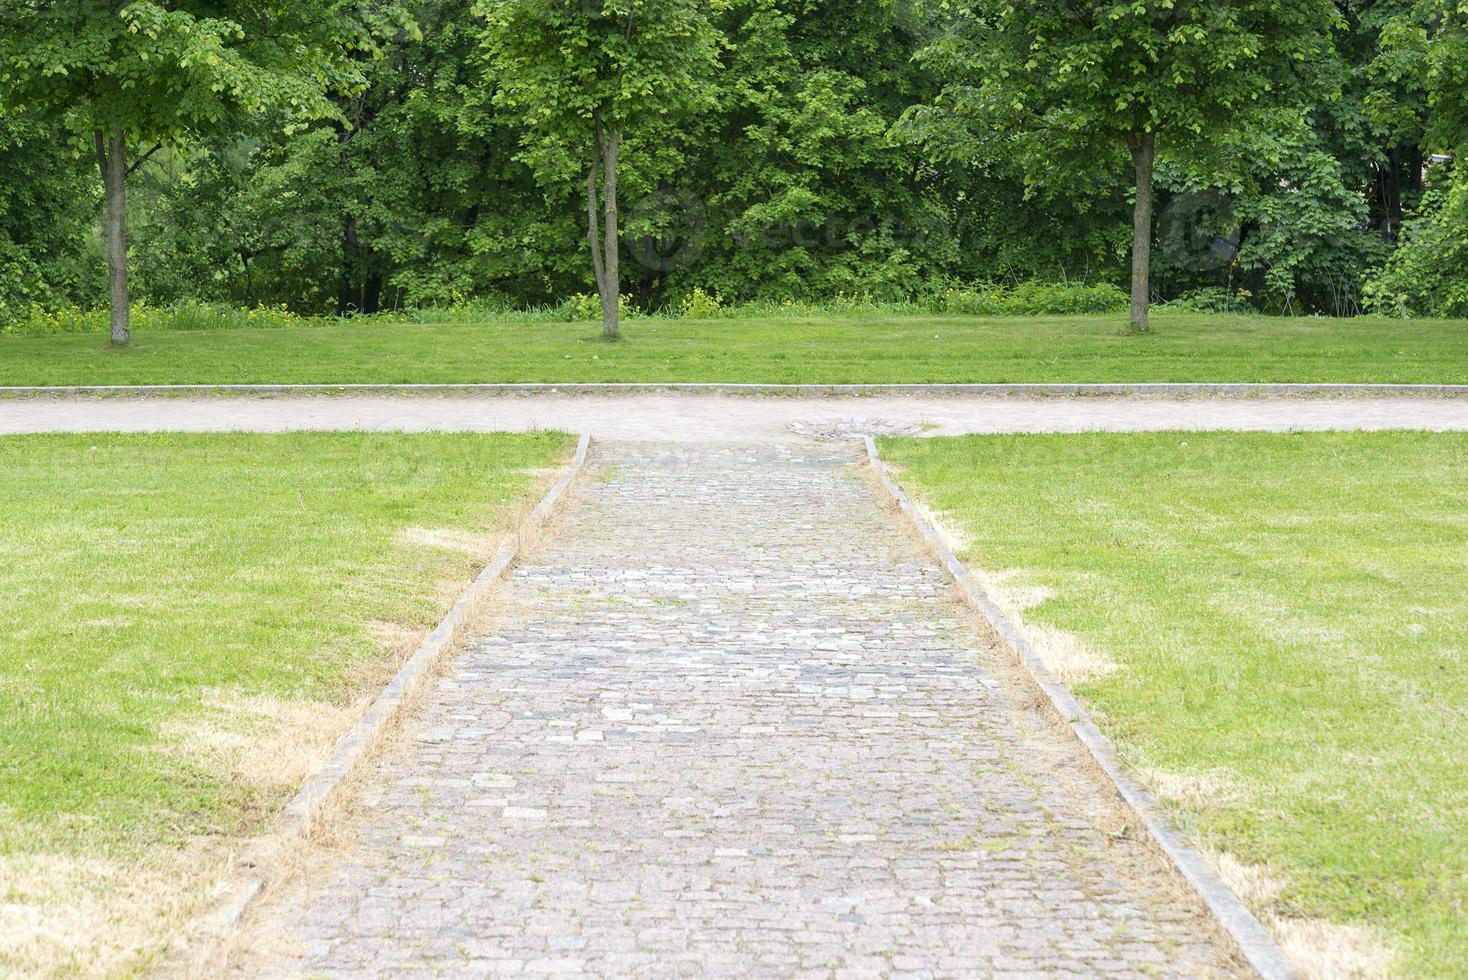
(1272, 627)
(868, 348)
(188, 620)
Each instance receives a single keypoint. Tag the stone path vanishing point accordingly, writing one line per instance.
(731, 722)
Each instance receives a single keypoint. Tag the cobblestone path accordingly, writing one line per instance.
(730, 723)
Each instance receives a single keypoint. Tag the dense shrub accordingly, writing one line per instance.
(48, 202)
(699, 305)
(1032, 299)
(1427, 274)
(38, 322)
(585, 306)
(1213, 299)
(1024, 299)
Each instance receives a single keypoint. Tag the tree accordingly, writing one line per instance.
(1427, 274)
(126, 74)
(1065, 86)
(1381, 119)
(584, 77)
(411, 197)
(802, 188)
(48, 201)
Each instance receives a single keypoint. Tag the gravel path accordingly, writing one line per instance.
(702, 418)
(731, 722)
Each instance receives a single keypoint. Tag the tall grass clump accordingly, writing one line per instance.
(187, 316)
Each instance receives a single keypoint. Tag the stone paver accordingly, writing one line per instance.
(702, 418)
(730, 723)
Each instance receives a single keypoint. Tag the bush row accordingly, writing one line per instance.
(985, 299)
(39, 322)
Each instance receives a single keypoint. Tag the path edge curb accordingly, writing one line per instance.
(1229, 911)
(235, 895)
(1149, 389)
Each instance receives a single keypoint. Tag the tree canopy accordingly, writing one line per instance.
(336, 158)
(579, 77)
(1066, 87)
(119, 74)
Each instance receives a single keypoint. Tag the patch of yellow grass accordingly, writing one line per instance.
(260, 741)
(1259, 887)
(1329, 951)
(1209, 788)
(69, 916)
(1069, 660)
(66, 915)
(464, 541)
(1321, 950)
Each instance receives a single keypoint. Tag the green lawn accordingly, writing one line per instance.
(858, 348)
(1289, 617)
(169, 598)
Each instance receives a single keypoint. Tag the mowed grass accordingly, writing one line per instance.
(855, 348)
(168, 597)
(1288, 616)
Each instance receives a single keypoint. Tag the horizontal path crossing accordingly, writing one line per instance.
(689, 417)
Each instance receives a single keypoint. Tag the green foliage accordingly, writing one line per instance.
(777, 150)
(38, 321)
(169, 71)
(561, 68)
(389, 206)
(586, 306)
(1062, 88)
(47, 204)
(701, 305)
(1307, 236)
(788, 188)
(119, 74)
(986, 299)
(1031, 299)
(1429, 41)
(586, 79)
(1210, 299)
(1427, 274)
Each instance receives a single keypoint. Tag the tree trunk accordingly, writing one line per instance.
(249, 278)
(611, 301)
(112, 162)
(601, 230)
(372, 292)
(348, 298)
(593, 225)
(1143, 149)
(1391, 195)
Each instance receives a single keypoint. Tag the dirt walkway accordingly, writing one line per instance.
(703, 418)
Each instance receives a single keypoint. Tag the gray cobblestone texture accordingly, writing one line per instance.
(730, 722)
